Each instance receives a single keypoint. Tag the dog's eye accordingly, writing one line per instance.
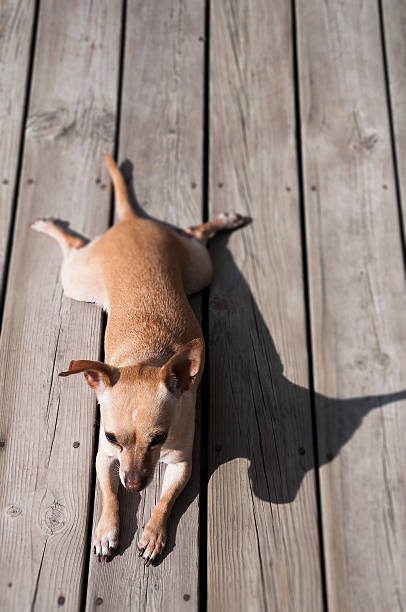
(158, 439)
(111, 438)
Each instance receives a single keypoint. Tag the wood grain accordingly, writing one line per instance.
(358, 303)
(161, 138)
(45, 482)
(263, 541)
(16, 25)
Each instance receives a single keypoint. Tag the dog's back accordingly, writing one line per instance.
(141, 266)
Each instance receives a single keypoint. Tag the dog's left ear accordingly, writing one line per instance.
(179, 373)
(98, 375)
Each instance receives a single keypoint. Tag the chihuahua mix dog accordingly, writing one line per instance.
(140, 272)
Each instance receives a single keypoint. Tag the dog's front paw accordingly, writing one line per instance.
(153, 541)
(105, 539)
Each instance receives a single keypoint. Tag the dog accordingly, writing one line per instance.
(141, 272)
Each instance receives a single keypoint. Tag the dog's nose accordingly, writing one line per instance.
(133, 483)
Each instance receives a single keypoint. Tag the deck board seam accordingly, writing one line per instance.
(392, 135)
(20, 157)
(204, 388)
(306, 294)
(119, 98)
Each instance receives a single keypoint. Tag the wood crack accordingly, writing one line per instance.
(53, 436)
(53, 372)
(34, 599)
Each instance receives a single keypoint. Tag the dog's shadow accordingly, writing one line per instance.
(255, 411)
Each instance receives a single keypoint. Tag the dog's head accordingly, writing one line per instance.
(138, 405)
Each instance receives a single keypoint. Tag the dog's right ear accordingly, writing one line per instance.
(98, 375)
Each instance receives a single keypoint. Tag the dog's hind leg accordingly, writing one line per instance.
(194, 256)
(65, 239)
(80, 270)
(225, 222)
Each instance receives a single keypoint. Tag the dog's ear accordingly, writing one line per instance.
(179, 373)
(98, 375)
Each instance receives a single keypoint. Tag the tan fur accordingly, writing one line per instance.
(141, 272)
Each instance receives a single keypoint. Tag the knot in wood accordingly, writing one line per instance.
(55, 517)
(83, 122)
(382, 359)
(369, 141)
(50, 124)
(14, 511)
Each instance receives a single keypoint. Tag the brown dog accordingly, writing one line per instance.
(140, 273)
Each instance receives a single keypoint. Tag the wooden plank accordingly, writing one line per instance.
(263, 541)
(16, 19)
(161, 134)
(45, 479)
(358, 303)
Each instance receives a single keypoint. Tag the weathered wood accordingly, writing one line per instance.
(16, 24)
(263, 541)
(161, 134)
(45, 479)
(358, 303)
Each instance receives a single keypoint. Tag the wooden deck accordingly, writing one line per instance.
(293, 113)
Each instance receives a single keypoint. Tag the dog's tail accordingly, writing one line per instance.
(123, 205)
